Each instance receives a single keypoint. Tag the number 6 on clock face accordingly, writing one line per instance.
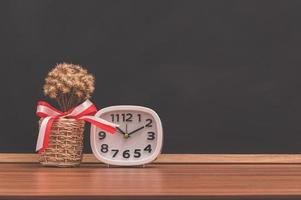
(137, 141)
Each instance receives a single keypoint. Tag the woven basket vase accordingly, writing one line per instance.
(65, 147)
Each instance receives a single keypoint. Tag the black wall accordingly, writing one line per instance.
(223, 75)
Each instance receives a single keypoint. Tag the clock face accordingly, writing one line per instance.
(138, 139)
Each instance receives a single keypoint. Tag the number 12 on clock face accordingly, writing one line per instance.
(137, 141)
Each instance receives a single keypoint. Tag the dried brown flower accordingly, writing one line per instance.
(69, 84)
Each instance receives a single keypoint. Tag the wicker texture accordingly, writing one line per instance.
(65, 144)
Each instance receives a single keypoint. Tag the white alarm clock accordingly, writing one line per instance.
(137, 141)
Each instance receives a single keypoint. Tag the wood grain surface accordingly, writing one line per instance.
(155, 181)
(177, 158)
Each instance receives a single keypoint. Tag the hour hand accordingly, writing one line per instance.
(120, 130)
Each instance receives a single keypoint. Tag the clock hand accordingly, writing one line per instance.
(120, 131)
(134, 131)
(126, 135)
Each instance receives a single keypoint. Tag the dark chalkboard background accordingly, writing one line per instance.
(223, 75)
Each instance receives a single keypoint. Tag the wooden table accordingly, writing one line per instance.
(156, 181)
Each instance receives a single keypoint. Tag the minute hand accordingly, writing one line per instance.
(134, 131)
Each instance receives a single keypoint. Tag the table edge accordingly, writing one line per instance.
(179, 158)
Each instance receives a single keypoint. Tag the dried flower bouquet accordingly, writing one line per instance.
(69, 85)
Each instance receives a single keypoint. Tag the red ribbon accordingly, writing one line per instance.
(84, 111)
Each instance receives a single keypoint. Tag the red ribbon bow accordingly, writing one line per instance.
(83, 111)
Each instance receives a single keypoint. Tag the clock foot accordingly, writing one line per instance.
(108, 165)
